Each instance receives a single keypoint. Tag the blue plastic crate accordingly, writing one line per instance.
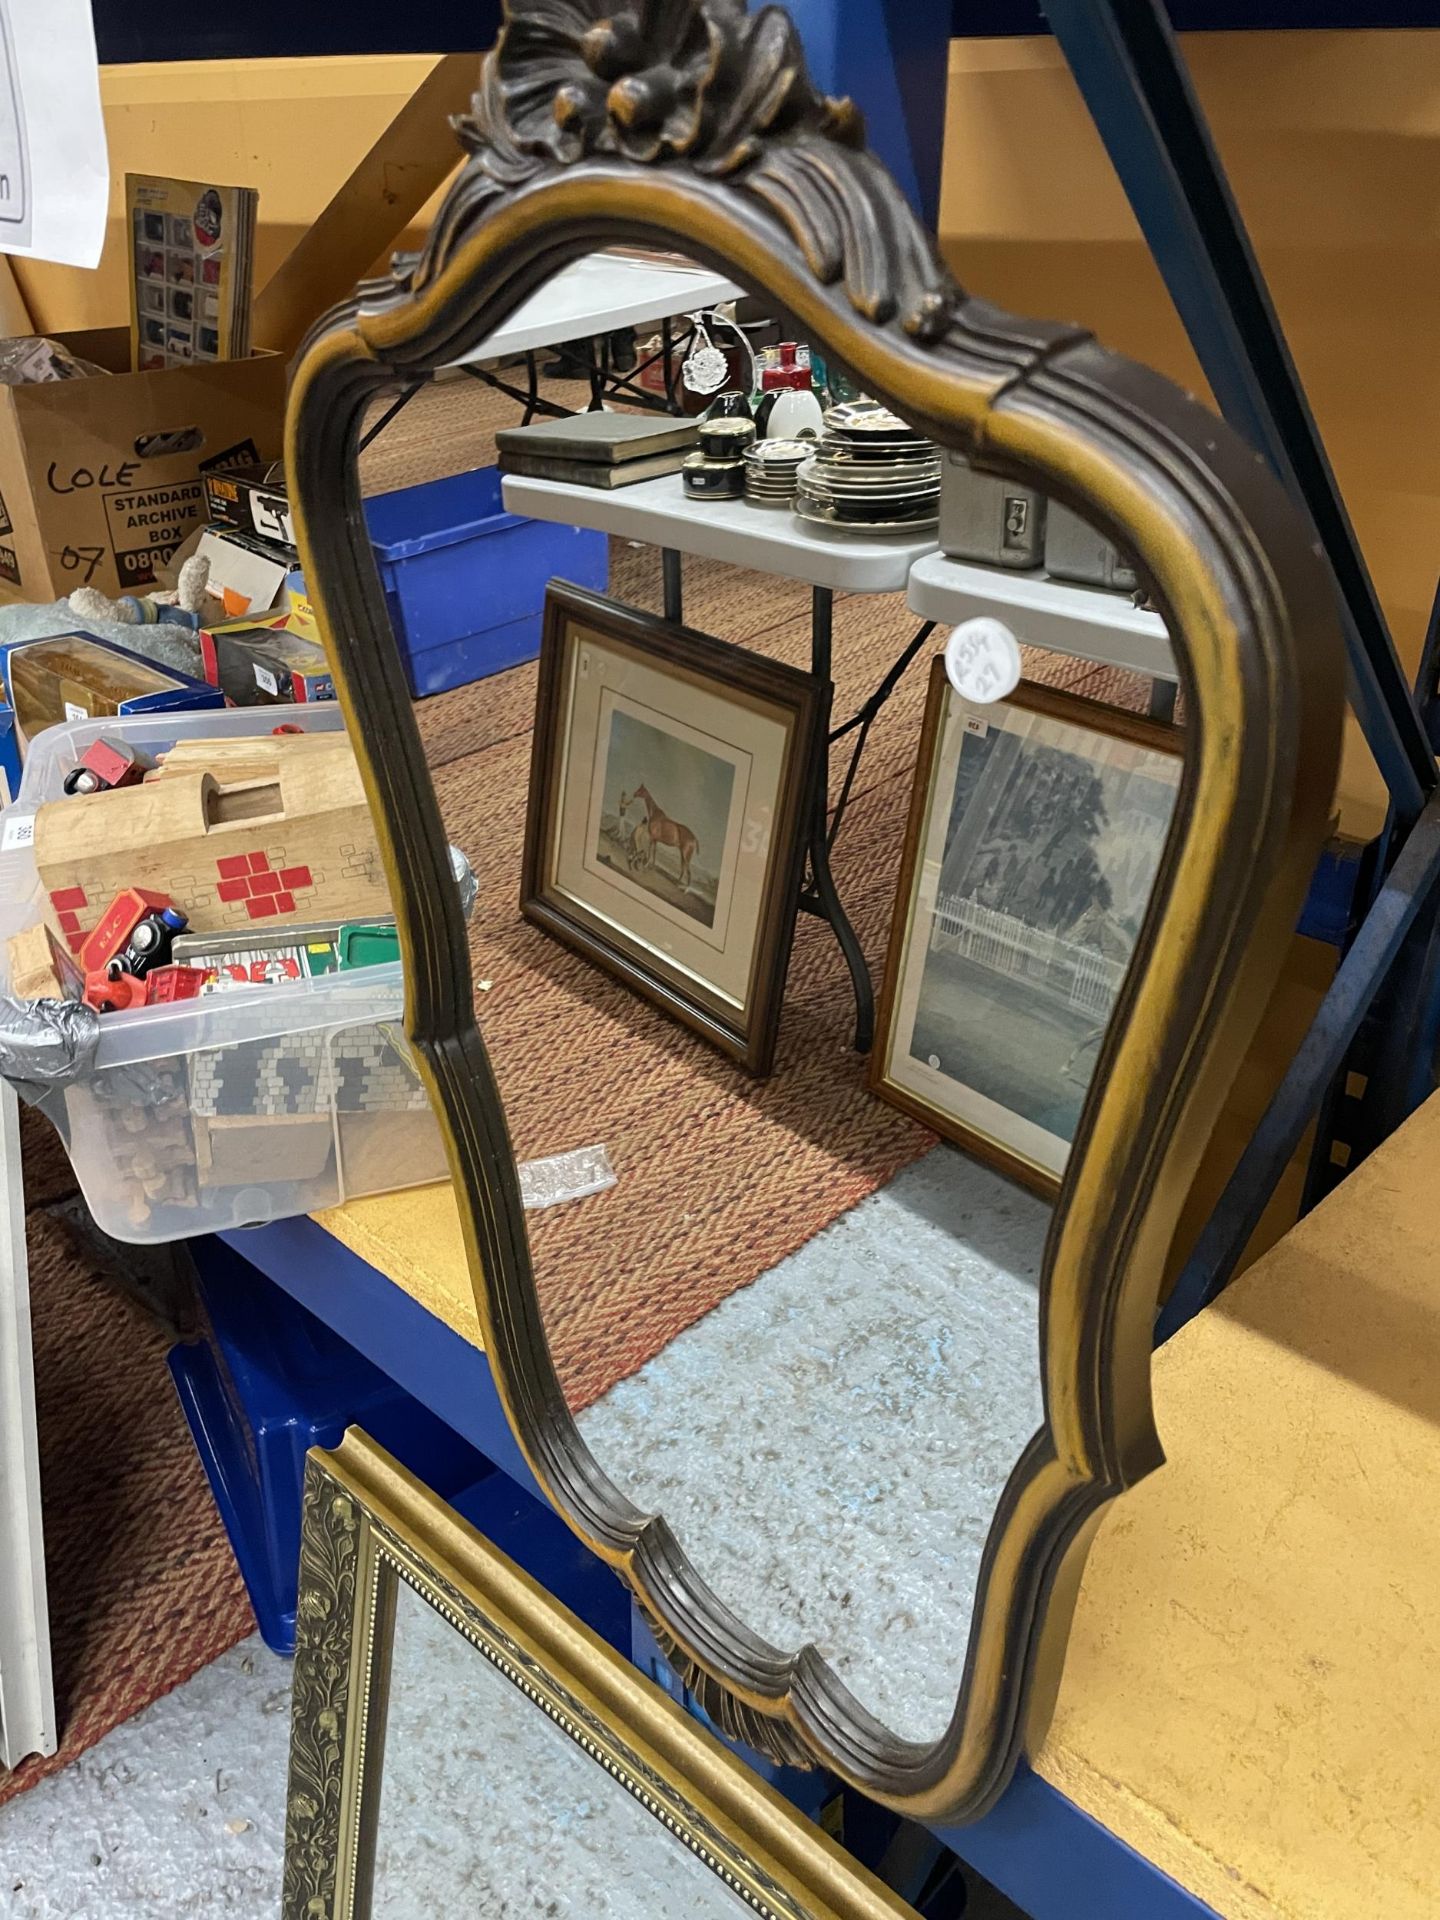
(465, 580)
(265, 1383)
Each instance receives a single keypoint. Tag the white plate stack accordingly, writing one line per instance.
(870, 474)
(770, 470)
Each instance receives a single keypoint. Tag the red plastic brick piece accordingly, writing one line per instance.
(65, 898)
(295, 877)
(259, 863)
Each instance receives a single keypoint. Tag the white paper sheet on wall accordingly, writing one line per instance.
(54, 173)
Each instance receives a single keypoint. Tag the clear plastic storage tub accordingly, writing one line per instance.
(246, 1105)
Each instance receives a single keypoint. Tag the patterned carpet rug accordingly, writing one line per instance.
(721, 1177)
(143, 1587)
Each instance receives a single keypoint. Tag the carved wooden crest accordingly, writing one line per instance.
(692, 124)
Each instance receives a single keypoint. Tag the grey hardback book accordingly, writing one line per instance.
(589, 473)
(609, 438)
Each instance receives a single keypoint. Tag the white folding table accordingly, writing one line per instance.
(591, 298)
(768, 540)
(1086, 623)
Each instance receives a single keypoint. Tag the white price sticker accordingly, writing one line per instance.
(982, 660)
(266, 681)
(74, 711)
(19, 832)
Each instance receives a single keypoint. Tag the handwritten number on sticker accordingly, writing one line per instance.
(982, 660)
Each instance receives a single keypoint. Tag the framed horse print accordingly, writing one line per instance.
(672, 782)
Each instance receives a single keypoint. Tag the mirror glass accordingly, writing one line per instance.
(488, 1806)
(795, 1326)
(829, 1444)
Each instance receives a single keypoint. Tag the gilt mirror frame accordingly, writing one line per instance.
(368, 1529)
(692, 124)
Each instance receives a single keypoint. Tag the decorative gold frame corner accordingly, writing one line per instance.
(368, 1525)
(707, 135)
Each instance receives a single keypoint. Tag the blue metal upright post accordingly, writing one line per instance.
(1126, 63)
(1128, 66)
(892, 57)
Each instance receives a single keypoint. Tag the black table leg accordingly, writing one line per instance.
(667, 348)
(819, 896)
(599, 371)
(1162, 699)
(672, 584)
(403, 399)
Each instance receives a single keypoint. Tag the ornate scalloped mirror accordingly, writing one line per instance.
(692, 125)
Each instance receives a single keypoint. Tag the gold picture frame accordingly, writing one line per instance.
(699, 918)
(369, 1530)
(1020, 929)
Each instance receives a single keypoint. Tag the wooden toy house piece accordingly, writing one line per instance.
(294, 843)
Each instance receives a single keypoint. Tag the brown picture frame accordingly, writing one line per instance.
(747, 1034)
(1098, 717)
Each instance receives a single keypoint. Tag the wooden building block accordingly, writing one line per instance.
(257, 1150)
(297, 845)
(252, 758)
(39, 966)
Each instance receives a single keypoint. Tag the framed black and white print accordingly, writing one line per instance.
(1035, 835)
(671, 784)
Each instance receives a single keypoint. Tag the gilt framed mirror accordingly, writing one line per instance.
(462, 1743)
(692, 125)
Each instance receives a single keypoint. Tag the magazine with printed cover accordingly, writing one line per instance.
(192, 264)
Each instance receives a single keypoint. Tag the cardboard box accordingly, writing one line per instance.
(252, 500)
(262, 663)
(9, 755)
(102, 479)
(75, 676)
(248, 576)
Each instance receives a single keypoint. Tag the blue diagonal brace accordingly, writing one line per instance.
(1408, 889)
(1128, 67)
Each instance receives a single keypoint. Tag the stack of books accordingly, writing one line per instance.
(597, 449)
(192, 264)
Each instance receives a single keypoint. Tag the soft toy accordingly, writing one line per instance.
(185, 607)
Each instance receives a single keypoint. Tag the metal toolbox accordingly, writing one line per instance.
(1074, 550)
(997, 522)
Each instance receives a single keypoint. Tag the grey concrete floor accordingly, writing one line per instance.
(925, 1335)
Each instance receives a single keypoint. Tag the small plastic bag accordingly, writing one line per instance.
(565, 1176)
